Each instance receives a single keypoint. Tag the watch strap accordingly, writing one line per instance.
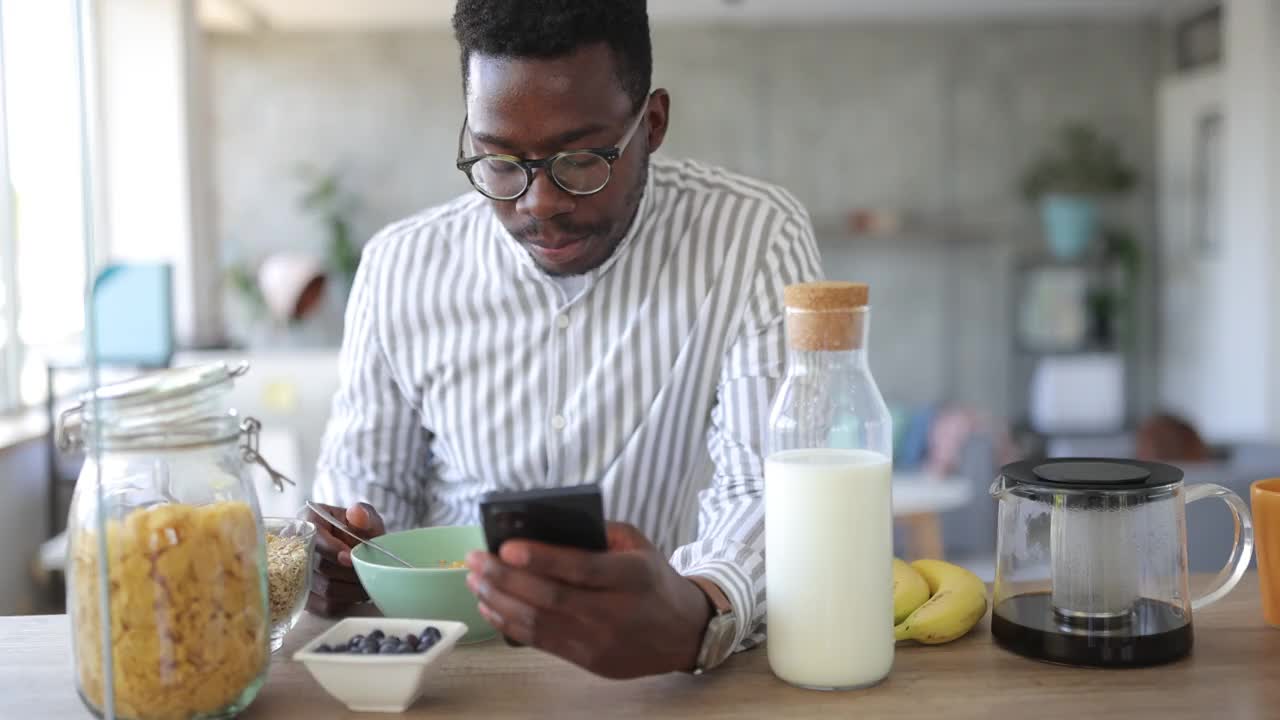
(716, 641)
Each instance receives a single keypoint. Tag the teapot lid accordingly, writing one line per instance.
(1120, 475)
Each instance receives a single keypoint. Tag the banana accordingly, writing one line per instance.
(910, 590)
(958, 600)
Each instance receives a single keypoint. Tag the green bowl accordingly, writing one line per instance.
(427, 592)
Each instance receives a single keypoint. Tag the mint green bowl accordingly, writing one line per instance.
(426, 592)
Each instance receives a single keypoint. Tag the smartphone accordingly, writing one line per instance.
(571, 516)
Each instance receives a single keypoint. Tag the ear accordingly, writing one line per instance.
(658, 114)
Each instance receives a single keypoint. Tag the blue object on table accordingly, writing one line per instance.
(132, 308)
(1070, 224)
(915, 441)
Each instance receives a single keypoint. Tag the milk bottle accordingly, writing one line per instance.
(828, 506)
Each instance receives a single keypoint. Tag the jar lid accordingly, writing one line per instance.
(167, 408)
(1107, 474)
(158, 386)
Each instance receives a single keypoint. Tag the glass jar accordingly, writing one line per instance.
(184, 584)
(828, 507)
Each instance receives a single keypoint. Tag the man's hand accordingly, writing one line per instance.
(622, 613)
(334, 585)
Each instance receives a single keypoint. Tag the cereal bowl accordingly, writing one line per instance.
(435, 587)
(376, 682)
(290, 544)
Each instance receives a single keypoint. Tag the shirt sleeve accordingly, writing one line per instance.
(375, 447)
(729, 549)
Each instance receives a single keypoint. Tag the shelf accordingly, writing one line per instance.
(837, 232)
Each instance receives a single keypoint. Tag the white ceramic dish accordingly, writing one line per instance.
(377, 683)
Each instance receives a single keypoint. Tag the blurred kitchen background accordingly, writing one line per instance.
(1068, 210)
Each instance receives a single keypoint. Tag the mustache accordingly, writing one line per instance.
(536, 228)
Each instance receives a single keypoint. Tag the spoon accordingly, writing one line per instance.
(328, 517)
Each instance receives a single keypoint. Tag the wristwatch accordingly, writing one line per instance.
(717, 640)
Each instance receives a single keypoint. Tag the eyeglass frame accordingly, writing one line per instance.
(609, 154)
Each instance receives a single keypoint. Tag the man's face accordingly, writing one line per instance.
(532, 109)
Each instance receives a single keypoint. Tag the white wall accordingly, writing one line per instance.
(1243, 309)
(1274, 94)
(154, 150)
(1188, 382)
(933, 118)
(1220, 315)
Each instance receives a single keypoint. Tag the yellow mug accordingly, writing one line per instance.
(1265, 499)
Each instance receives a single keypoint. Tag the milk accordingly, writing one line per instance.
(828, 564)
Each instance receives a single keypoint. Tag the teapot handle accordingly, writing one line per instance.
(1241, 550)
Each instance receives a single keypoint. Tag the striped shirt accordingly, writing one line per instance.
(466, 369)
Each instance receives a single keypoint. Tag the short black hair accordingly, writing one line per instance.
(554, 28)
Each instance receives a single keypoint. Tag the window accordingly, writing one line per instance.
(42, 247)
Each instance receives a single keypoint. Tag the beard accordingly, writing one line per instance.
(607, 233)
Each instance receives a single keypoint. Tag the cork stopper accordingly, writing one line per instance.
(826, 316)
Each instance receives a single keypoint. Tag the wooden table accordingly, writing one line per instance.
(1234, 673)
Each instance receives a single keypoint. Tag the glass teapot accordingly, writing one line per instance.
(1091, 561)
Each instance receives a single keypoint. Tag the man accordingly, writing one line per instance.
(591, 314)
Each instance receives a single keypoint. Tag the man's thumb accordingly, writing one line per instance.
(362, 516)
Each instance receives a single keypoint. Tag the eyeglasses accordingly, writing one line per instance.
(577, 172)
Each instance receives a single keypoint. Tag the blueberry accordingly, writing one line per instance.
(389, 649)
(355, 641)
(368, 650)
(432, 633)
(404, 650)
(377, 634)
(411, 641)
(323, 648)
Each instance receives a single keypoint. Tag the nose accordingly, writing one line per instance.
(544, 199)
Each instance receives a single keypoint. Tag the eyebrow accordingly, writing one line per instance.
(555, 141)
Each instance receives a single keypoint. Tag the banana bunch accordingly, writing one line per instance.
(935, 602)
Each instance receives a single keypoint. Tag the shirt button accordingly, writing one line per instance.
(562, 322)
(558, 422)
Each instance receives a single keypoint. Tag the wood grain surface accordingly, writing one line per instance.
(1233, 673)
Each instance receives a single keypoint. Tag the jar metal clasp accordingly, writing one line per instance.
(250, 428)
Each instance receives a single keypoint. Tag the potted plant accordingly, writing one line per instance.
(1067, 183)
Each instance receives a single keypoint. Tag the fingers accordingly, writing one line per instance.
(526, 624)
(581, 568)
(338, 591)
(365, 520)
(487, 572)
(326, 607)
(335, 571)
(621, 537)
(335, 587)
(332, 548)
(331, 543)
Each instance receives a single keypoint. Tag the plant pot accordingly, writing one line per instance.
(1070, 224)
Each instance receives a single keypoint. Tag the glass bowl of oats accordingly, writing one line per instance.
(290, 543)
